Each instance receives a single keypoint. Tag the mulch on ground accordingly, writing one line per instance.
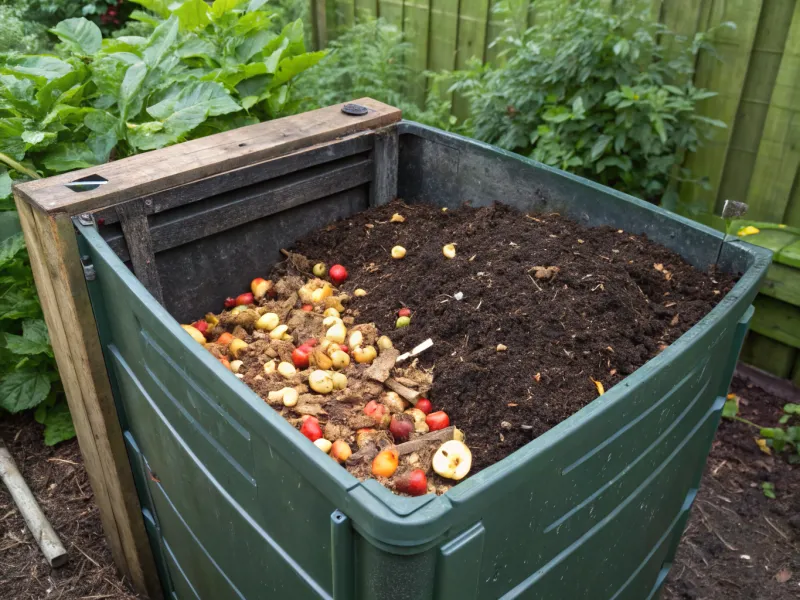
(739, 544)
(59, 482)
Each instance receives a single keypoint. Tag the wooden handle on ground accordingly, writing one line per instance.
(37, 523)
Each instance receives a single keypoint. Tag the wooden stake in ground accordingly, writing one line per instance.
(39, 526)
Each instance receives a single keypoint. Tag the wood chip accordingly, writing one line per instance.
(417, 444)
(381, 367)
(404, 392)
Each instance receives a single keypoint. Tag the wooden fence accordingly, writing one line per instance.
(757, 76)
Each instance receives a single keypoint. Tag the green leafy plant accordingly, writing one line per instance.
(370, 59)
(605, 94)
(784, 437)
(768, 489)
(201, 69)
(20, 34)
(28, 375)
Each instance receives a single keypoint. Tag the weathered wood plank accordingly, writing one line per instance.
(442, 50)
(472, 22)
(366, 9)
(778, 159)
(725, 75)
(53, 252)
(782, 283)
(392, 12)
(767, 354)
(416, 20)
(140, 246)
(250, 204)
(249, 175)
(162, 169)
(749, 126)
(777, 320)
(385, 164)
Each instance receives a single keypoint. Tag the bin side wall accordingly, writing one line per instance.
(239, 506)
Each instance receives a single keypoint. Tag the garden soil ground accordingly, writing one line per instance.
(60, 484)
(615, 302)
(739, 544)
(730, 512)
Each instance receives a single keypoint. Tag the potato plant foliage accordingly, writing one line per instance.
(202, 69)
(604, 94)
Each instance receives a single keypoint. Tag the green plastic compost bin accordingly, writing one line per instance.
(238, 504)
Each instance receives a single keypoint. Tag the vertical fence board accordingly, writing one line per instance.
(443, 36)
(366, 9)
(765, 61)
(726, 76)
(778, 156)
(345, 14)
(391, 11)
(472, 22)
(416, 22)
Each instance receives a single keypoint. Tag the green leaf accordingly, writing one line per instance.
(103, 136)
(23, 389)
(206, 95)
(600, 146)
(40, 68)
(768, 489)
(68, 156)
(253, 44)
(5, 186)
(129, 91)
(81, 35)
(784, 419)
(58, 425)
(18, 303)
(159, 7)
(775, 433)
(10, 247)
(192, 15)
(792, 409)
(17, 344)
(220, 7)
(161, 41)
(35, 330)
(557, 114)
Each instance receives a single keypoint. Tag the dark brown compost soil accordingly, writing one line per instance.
(58, 480)
(616, 301)
(739, 544)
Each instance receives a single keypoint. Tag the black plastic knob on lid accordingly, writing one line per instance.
(354, 109)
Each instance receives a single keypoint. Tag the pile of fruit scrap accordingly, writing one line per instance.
(296, 343)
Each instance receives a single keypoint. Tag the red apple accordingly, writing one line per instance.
(404, 312)
(245, 299)
(401, 427)
(414, 483)
(201, 326)
(424, 405)
(300, 356)
(230, 302)
(437, 420)
(311, 429)
(338, 274)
